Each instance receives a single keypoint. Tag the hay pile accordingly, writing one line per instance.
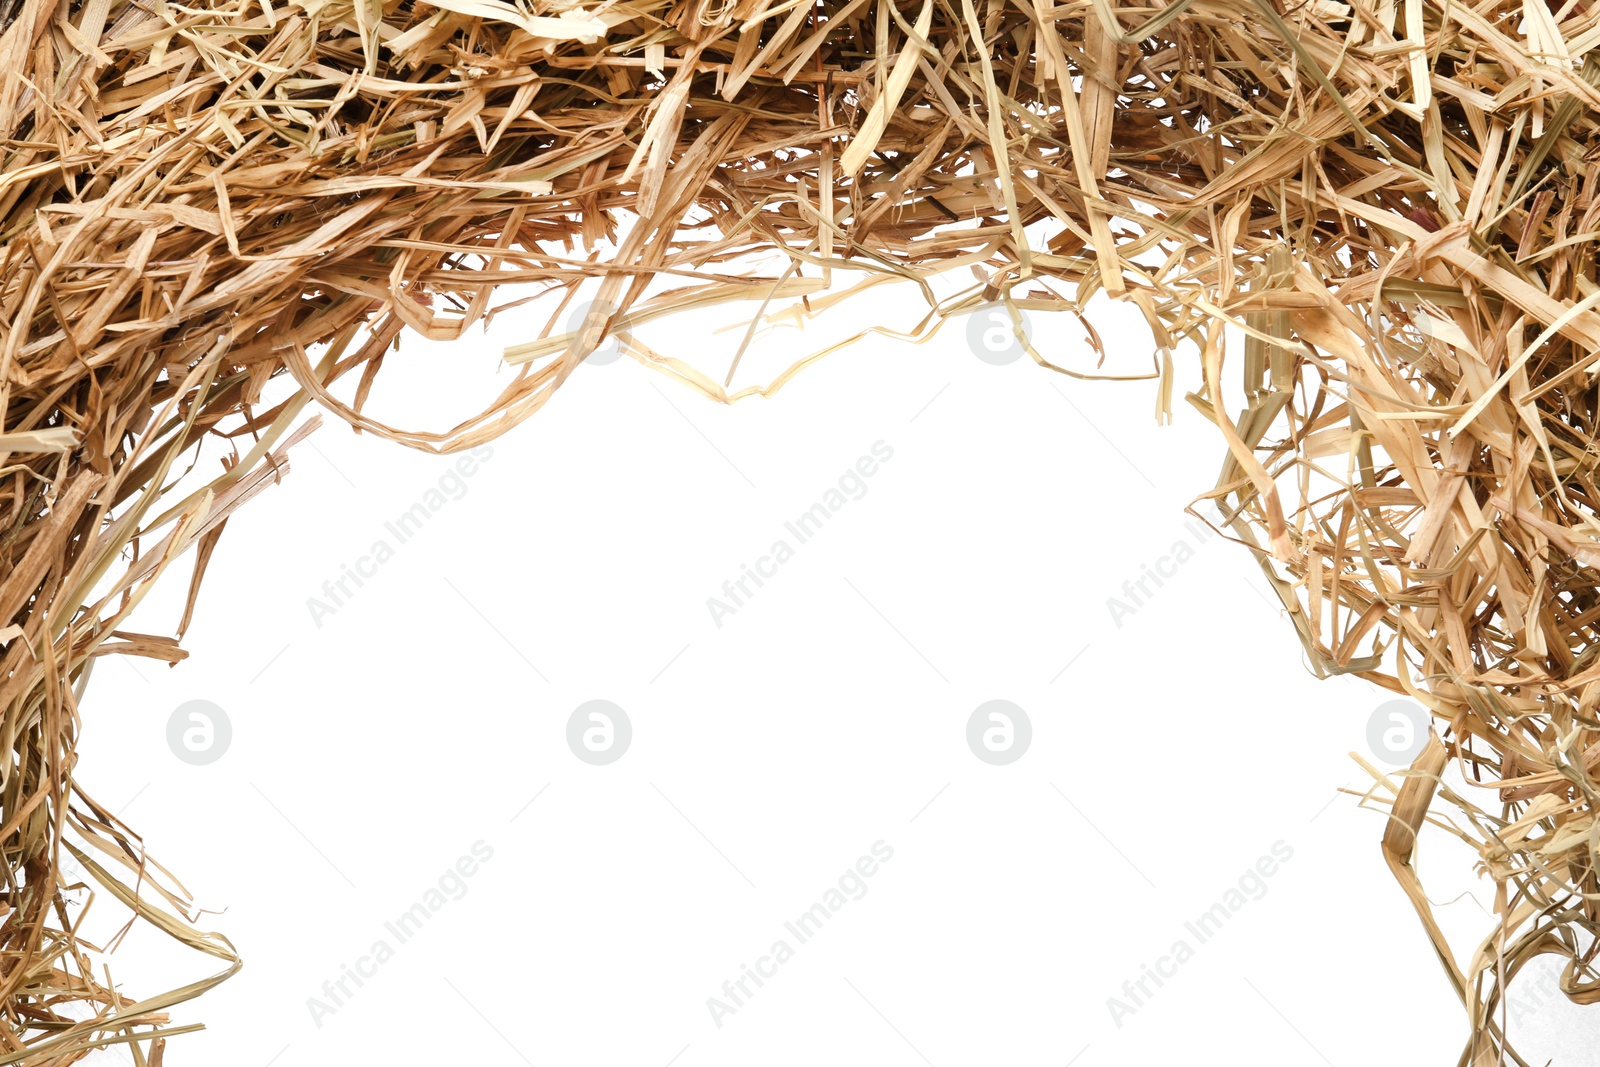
(1395, 201)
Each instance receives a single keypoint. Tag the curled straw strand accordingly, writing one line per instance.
(1393, 202)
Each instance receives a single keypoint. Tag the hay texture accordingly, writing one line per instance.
(1380, 217)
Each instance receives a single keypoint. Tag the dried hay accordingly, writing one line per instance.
(1395, 202)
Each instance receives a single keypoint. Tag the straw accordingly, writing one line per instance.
(1393, 203)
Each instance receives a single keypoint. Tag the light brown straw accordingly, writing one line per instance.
(1393, 202)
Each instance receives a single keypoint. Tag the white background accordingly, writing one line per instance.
(827, 714)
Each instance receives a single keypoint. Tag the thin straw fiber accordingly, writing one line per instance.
(1376, 222)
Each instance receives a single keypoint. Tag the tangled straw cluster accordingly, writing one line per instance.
(1393, 202)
